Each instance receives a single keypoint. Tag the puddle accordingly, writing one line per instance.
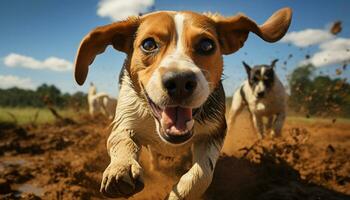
(11, 161)
(28, 188)
(21, 188)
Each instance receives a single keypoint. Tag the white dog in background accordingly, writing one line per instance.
(264, 95)
(101, 103)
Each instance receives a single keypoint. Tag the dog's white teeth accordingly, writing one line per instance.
(167, 130)
(189, 124)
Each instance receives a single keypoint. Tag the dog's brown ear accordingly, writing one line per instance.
(234, 30)
(119, 34)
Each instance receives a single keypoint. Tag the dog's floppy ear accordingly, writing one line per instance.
(119, 34)
(273, 63)
(233, 31)
(247, 68)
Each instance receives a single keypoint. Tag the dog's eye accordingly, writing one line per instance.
(205, 46)
(149, 45)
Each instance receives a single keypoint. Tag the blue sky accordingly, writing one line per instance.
(40, 29)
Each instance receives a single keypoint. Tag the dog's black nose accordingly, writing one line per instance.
(261, 94)
(179, 85)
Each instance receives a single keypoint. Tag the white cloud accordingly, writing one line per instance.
(121, 9)
(8, 81)
(335, 51)
(52, 63)
(307, 37)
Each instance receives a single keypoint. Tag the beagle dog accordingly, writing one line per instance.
(264, 95)
(100, 103)
(171, 97)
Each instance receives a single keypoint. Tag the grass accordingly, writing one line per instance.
(300, 119)
(29, 115)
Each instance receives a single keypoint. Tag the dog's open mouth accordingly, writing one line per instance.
(176, 122)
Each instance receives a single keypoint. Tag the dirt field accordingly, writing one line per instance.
(66, 161)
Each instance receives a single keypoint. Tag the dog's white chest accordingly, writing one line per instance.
(260, 107)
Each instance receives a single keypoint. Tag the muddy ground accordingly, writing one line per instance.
(66, 161)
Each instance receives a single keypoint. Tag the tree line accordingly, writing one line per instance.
(318, 94)
(41, 97)
(310, 94)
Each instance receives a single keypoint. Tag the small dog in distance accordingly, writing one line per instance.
(100, 103)
(264, 95)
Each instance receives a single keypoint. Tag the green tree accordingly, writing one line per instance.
(50, 93)
(16, 97)
(318, 95)
(300, 86)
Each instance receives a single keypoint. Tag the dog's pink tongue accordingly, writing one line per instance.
(175, 118)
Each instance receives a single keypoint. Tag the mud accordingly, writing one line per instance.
(66, 161)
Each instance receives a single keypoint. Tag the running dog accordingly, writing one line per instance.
(100, 103)
(264, 95)
(171, 97)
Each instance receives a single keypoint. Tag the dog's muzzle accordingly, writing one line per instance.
(175, 119)
(260, 95)
(175, 122)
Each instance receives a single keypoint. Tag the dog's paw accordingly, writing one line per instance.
(275, 134)
(173, 196)
(272, 133)
(122, 179)
(179, 193)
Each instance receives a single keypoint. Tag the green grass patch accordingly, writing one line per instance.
(29, 115)
(312, 120)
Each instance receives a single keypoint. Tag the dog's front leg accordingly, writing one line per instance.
(195, 182)
(269, 123)
(278, 124)
(236, 107)
(123, 176)
(258, 125)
